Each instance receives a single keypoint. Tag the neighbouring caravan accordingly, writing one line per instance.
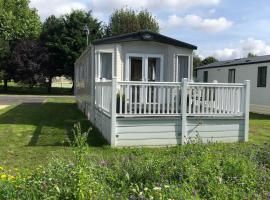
(137, 89)
(255, 69)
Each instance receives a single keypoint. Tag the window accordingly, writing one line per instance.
(262, 74)
(106, 65)
(182, 62)
(231, 76)
(205, 76)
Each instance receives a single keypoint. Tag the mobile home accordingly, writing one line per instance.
(254, 69)
(137, 89)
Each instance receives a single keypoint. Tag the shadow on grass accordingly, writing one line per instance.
(53, 123)
(255, 116)
(23, 90)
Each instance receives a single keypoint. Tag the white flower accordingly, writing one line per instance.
(166, 186)
(157, 188)
(145, 189)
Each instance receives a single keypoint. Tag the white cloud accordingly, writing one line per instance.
(151, 4)
(241, 49)
(196, 22)
(56, 7)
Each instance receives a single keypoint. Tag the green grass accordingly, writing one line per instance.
(259, 128)
(30, 133)
(14, 88)
(40, 134)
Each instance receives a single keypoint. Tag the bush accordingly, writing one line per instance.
(193, 171)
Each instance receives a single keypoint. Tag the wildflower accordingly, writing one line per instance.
(151, 197)
(166, 186)
(145, 189)
(3, 176)
(157, 188)
(133, 190)
(141, 193)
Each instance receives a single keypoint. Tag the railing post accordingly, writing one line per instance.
(113, 111)
(184, 109)
(247, 99)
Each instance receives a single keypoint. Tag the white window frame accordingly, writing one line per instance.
(98, 61)
(144, 65)
(177, 68)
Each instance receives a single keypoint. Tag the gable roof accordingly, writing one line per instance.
(242, 61)
(144, 36)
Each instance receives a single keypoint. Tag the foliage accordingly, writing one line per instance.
(250, 55)
(208, 60)
(196, 63)
(17, 21)
(194, 171)
(28, 60)
(126, 20)
(65, 40)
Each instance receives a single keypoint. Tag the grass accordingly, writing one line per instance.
(31, 133)
(14, 88)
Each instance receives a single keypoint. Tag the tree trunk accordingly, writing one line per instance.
(49, 86)
(5, 85)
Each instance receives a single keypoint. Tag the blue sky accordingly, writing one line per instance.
(226, 29)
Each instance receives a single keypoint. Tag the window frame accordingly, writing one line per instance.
(205, 72)
(98, 66)
(259, 84)
(233, 78)
(177, 70)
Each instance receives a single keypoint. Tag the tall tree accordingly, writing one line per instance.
(17, 21)
(209, 60)
(65, 40)
(126, 20)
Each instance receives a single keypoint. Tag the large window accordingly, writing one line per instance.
(262, 75)
(231, 76)
(105, 65)
(205, 76)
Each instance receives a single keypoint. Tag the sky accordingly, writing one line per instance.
(225, 29)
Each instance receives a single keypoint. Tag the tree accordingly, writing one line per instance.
(29, 59)
(126, 20)
(250, 55)
(17, 21)
(208, 60)
(65, 40)
(196, 63)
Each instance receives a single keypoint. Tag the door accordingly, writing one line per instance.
(182, 67)
(136, 69)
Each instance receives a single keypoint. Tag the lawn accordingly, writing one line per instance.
(30, 133)
(36, 138)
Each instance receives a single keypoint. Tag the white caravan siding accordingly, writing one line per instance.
(259, 96)
(169, 53)
(166, 131)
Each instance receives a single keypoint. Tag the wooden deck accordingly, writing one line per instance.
(169, 113)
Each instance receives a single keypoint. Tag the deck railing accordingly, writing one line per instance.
(213, 99)
(103, 96)
(148, 98)
(133, 99)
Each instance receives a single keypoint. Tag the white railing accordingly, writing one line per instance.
(211, 99)
(148, 98)
(133, 98)
(103, 96)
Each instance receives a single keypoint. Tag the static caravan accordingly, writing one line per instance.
(137, 89)
(255, 69)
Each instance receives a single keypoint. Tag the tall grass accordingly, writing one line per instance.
(193, 171)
